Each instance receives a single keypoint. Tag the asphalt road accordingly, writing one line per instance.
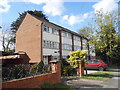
(112, 84)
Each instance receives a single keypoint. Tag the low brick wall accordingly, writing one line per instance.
(38, 80)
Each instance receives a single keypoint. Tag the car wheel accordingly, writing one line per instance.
(101, 68)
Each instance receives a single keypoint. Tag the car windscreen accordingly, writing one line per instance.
(89, 62)
(96, 62)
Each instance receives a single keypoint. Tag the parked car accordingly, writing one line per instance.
(96, 64)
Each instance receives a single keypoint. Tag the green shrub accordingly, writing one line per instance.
(47, 68)
(40, 66)
(20, 71)
(5, 73)
(75, 56)
(37, 67)
(34, 68)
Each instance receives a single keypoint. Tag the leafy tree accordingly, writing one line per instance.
(87, 31)
(107, 37)
(15, 24)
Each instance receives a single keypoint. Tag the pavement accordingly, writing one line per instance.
(78, 83)
(114, 82)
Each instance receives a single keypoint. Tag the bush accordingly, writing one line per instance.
(66, 69)
(34, 68)
(18, 71)
(21, 71)
(47, 68)
(5, 73)
(37, 67)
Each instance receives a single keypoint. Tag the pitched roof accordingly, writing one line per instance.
(62, 28)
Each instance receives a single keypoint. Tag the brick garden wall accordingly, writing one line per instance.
(38, 80)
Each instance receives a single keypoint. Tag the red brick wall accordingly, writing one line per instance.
(36, 81)
(29, 38)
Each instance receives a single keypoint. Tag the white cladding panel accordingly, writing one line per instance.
(50, 37)
(65, 52)
(50, 52)
(66, 41)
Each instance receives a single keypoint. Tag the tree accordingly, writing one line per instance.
(87, 31)
(15, 25)
(7, 40)
(106, 41)
(106, 37)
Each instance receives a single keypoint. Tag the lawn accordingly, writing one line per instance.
(58, 86)
(100, 75)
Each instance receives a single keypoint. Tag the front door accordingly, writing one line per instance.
(49, 59)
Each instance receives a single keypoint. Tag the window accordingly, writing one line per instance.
(50, 44)
(64, 34)
(77, 48)
(77, 38)
(54, 31)
(46, 29)
(47, 44)
(69, 35)
(44, 43)
(85, 47)
(66, 47)
(89, 62)
(84, 42)
(96, 62)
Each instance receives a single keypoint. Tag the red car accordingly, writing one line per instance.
(96, 64)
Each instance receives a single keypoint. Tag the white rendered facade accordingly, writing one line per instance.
(70, 41)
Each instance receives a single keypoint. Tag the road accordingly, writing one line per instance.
(113, 82)
(78, 83)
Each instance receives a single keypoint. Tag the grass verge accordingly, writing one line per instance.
(100, 75)
(55, 87)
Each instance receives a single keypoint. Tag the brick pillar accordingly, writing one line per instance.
(56, 68)
(80, 70)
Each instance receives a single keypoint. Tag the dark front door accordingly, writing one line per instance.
(49, 59)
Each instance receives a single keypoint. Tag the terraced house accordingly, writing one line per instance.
(44, 40)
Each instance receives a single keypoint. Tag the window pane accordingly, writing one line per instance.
(64, 34)
(69, 35)
(46, 29)
(89, 62)
(96, 62)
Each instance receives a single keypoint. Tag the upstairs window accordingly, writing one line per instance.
(76, 38)
(66, 47)
(69, 35)
(77, 48)
(64, 34)
(50, 44)
(46, 29)
(54, 31)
